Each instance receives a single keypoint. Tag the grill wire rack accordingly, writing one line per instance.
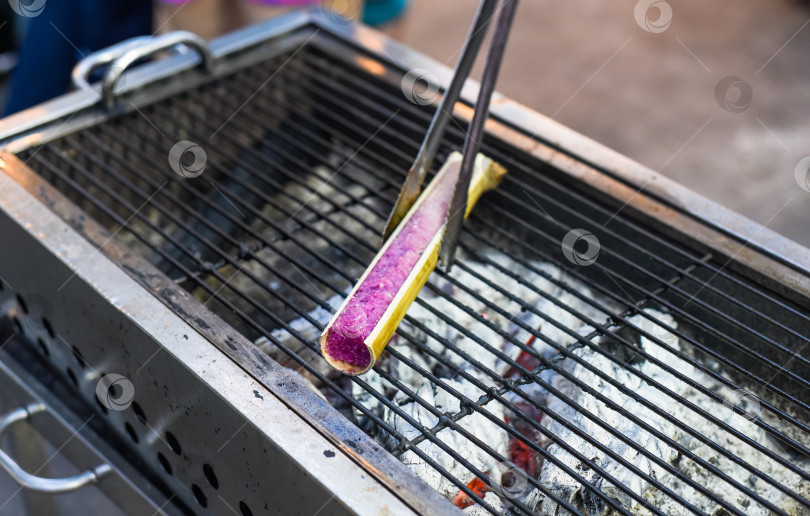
(301, 172)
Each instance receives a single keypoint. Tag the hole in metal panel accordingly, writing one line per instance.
(22, 303)
(131, 431)
(199, 495)
(100, 405)
(78, 358)
(72, 376)
(164, 463)
(139, 413)
(43, 347)
(208, 471)
(174, 444)
(48, 327)
(16, 326)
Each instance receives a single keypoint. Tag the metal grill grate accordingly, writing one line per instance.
(287, 214)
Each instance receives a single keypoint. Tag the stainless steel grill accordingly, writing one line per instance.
(306, 149)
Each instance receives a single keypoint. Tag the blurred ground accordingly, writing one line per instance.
(651, 96)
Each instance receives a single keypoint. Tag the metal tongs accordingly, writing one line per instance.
(472, 141)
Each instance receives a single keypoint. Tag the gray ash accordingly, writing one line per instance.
(430, 314)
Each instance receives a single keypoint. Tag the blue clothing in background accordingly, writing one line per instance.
(380, 12)
(61, 35)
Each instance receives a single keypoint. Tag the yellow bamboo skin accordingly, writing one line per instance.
(487, 175)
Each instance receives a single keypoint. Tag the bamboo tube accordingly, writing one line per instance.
(371, 313)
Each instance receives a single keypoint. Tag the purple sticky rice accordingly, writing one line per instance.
(345, 339)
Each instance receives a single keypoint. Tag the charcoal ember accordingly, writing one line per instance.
(487, 360)
(743, 423)
(522, 454)
(525, 419)
(476, 424)
(534, 500)
(570, 490)
(365, 397)
(491, 499)
(276, 269)
(300, 349)
(419, 317)
(403, 371)
(444, 308)
(490, 265)
(443, 317)
(527, 315)
(533, 391)
(304, 326)
(301, 346)
(408, 370)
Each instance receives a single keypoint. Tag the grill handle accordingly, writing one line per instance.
(149, 47)
(81, 72)
(45, 485)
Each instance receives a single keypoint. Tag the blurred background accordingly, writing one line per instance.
(651, 95)
(711, 94)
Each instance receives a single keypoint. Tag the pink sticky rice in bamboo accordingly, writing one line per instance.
(345, 340)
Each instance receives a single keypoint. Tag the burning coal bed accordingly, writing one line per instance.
(467, 334)
(514, 425)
